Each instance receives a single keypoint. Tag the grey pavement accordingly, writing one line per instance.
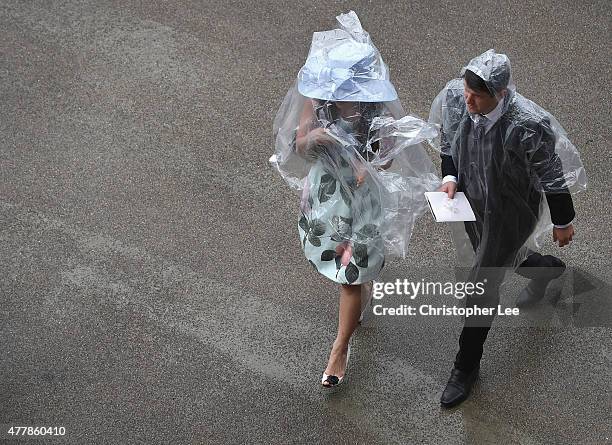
(152, 286)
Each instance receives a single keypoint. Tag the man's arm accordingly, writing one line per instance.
(549, 169)
(454, 103)
(449, 170)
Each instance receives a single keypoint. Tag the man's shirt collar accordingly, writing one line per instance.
(491, 117)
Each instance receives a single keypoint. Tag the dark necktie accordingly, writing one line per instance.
(479, 127)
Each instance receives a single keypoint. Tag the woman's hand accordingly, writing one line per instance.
(309, 136)
(319, 136)
(313, 142)
(345, 250)
(361, 174)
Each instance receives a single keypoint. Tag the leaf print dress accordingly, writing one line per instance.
(340, 222)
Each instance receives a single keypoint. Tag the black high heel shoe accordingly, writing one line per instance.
(331, 381)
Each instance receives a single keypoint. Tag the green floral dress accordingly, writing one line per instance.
(340, 223)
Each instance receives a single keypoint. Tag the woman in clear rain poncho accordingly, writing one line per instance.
(342, 143)
(516, 166)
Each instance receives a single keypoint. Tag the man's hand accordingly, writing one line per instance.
(564, 236)
(450, 188)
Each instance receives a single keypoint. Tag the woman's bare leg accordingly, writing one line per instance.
(348, 316)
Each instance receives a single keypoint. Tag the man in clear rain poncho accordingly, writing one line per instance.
(517, 167)
(343, 142)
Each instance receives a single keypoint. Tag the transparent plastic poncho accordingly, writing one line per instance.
(357, 161)
(517, 175)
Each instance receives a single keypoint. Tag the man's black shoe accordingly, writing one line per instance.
(458, 387)
(532, 294)
(536, 289)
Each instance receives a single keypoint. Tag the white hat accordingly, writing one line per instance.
(344, 65)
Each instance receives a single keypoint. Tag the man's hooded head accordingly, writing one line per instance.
(494, 70)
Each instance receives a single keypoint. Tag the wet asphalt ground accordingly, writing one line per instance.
(152, 286)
